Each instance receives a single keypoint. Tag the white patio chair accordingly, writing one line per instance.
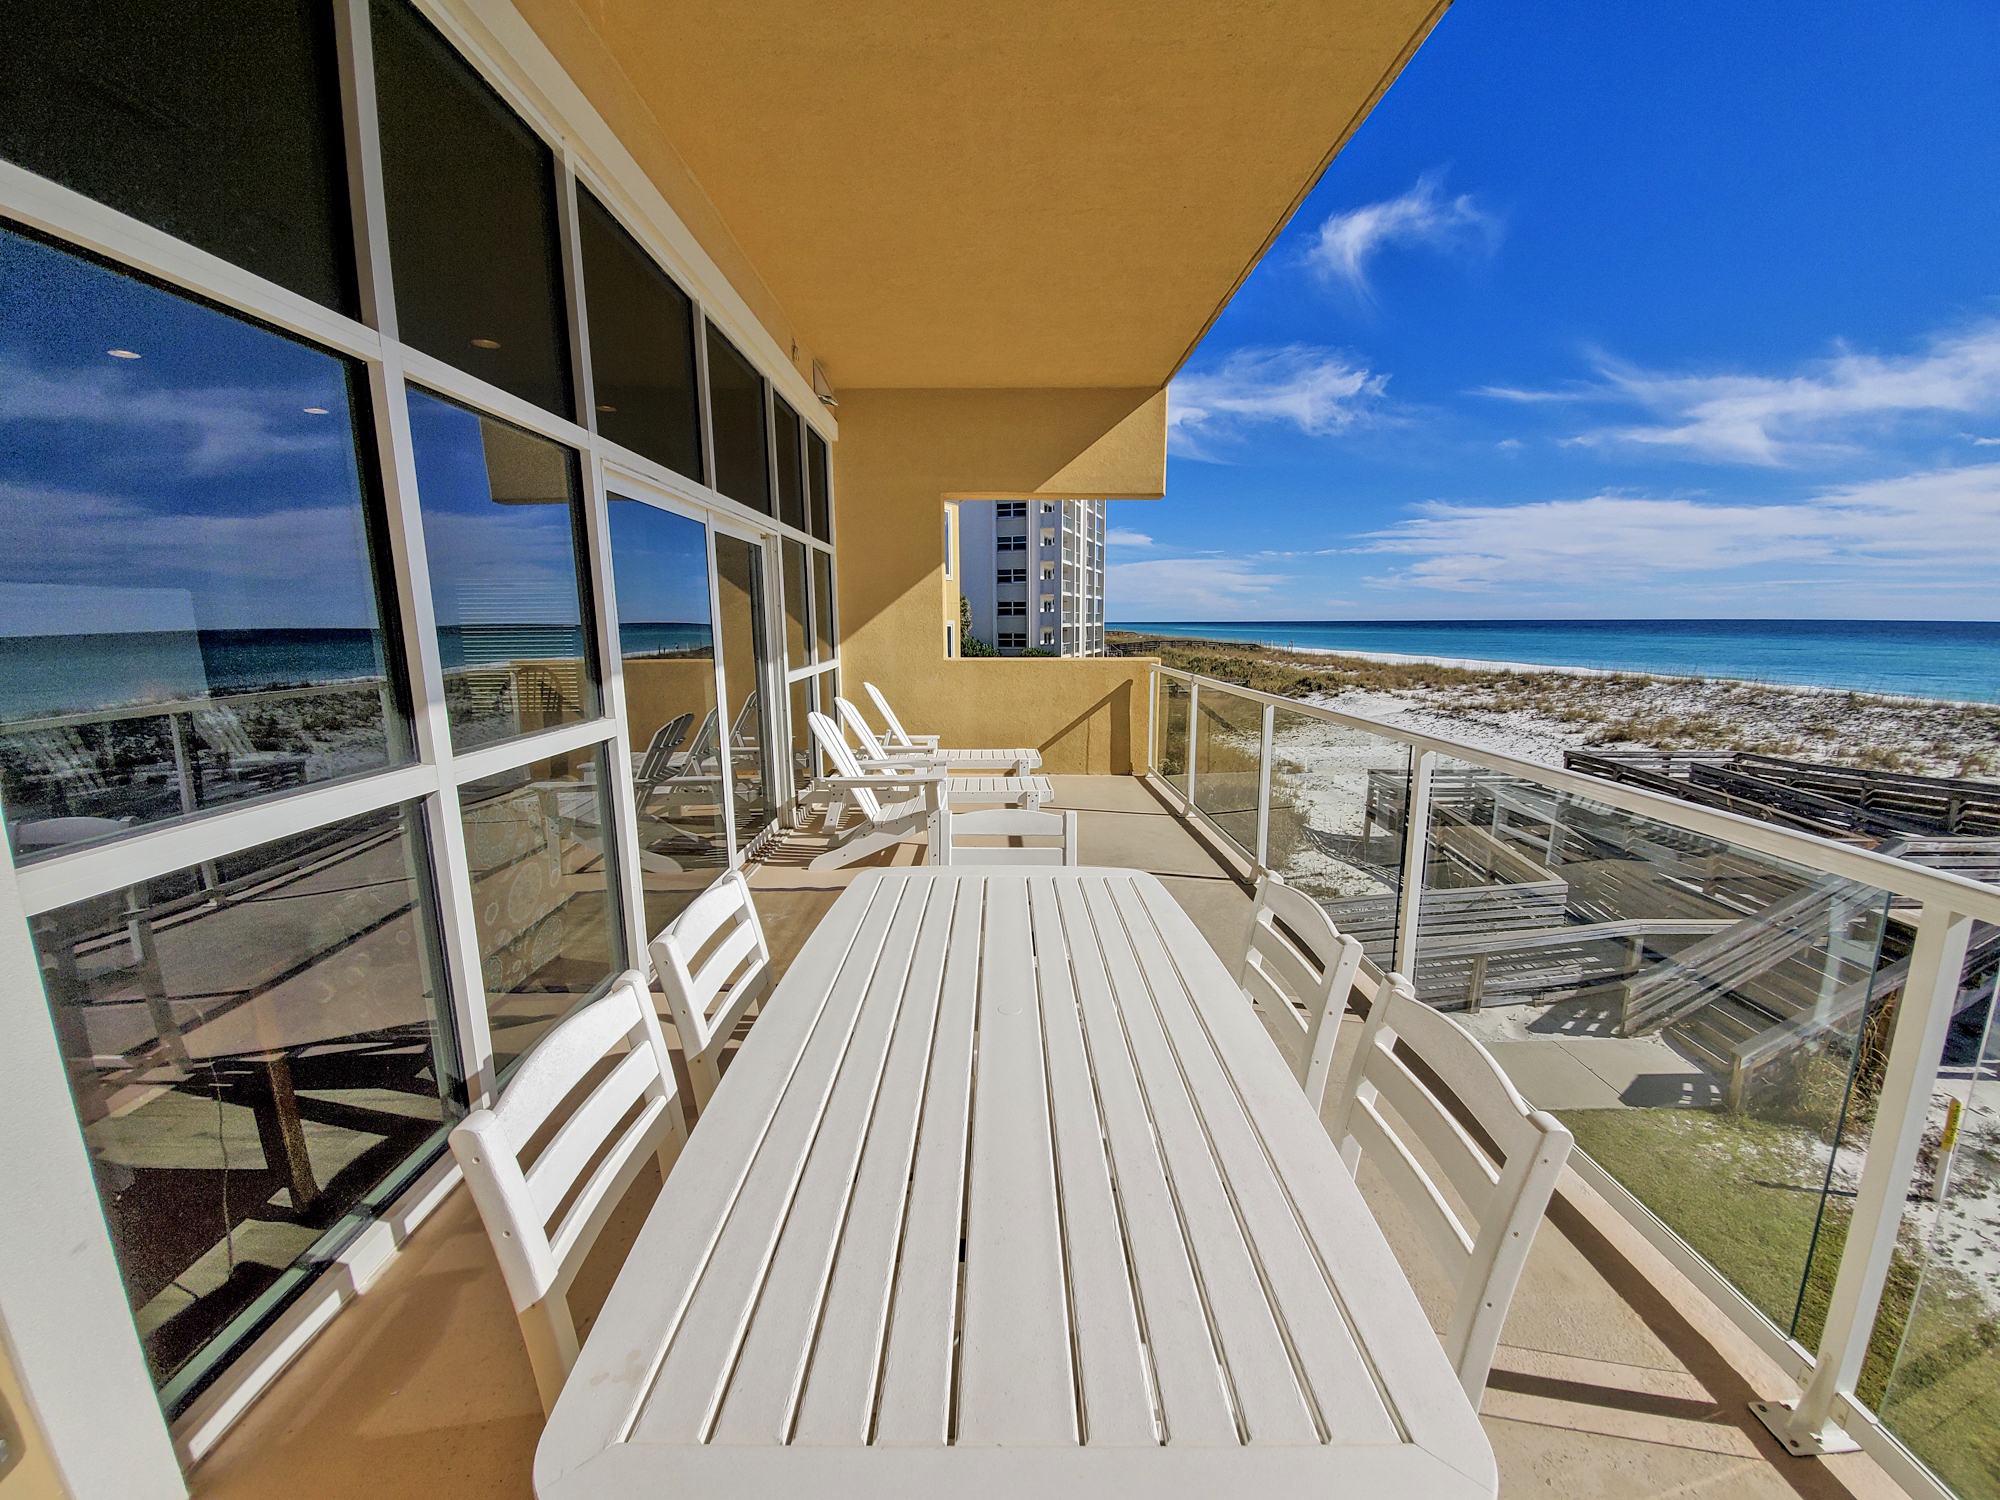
(1016, 762)
(1483, 1246)
(708, 1001)
(223, 733)
(1008, 822)
(920, 801)
(1026, 791)
(516, 1198)
(1299, 970)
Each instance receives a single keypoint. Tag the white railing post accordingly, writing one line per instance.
(1416, 832)
(1264, 789)
(1193, 714)
(1153, 720)
(1813, 1423)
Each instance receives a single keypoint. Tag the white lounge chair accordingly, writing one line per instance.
(917, 808)
(1299, 970)
(516, 1198)
(1012, 823)
(1016, 762)
(705, 1014)
(1030, 791)
(1482, 1249)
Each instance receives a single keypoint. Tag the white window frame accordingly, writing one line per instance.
(499, 45)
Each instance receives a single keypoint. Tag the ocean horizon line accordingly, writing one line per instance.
(1948, 660)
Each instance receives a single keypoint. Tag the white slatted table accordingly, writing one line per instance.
(1009, 1193)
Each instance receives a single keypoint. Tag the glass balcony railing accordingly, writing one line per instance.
(1775, 1052)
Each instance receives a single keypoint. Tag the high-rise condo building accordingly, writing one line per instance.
(1033, 574)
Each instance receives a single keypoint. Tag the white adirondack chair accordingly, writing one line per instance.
(516, 1198)
(918, 805)
(1009, 822)
(705, 1012)
(1299, 970)
(899, 741)
(1025, 791)
(1483, 1247)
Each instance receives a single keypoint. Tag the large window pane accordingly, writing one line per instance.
(798, 649)
(736, 410)
(188, 611)
(217, 121)
(254, 1048)
(791, 465)
(660, 566)
(472, 217)
(819, 486)
(641, 345)
(823, 604)
(739, 570)
(501, 527)
(536, 839)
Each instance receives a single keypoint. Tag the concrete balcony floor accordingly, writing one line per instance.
(1614, 1378)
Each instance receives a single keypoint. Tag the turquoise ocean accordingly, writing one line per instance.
(1912, 658)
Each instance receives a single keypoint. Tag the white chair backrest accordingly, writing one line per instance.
(708, 1001)
(1299, 970)
(1009, 822)
(1386, 1109)
(517, 1199)
(858, 726)
(898, 736)
(666, 740)
(739, 736)
(844, 764)
(702, 747)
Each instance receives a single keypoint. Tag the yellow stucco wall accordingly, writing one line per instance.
(35, 1477)
(900, 453)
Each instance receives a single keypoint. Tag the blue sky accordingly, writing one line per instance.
(1684, 310)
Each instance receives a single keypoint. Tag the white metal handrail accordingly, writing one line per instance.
(1828, 1417)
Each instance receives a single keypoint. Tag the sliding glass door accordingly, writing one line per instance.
(741, 607)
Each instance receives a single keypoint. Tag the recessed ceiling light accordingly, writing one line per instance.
(607, 408)
(121, 353)
(315, 411)
(486, 343)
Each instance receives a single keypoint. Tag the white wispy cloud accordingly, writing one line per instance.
(1422, 216)
(1120, 536)
(1944, 524)
(1316, 391)
(1189, 588)
(1826, 410)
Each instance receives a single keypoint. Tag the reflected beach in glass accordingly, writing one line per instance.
(188, 608)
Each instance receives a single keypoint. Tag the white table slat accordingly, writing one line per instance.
(1009, 1192)
(1116, 1384)
(915, 1400)
(690, 1384)
(1192, 1394)
(1270, 1407)
(1321, 1347)
(837, 1406)
(1016, 1381)
(772, 1363)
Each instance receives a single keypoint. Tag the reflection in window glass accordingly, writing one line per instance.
(805, 755)
(641, 345)
(798, 649)
(659, 567)
(501, 520)
(252, 1048)
(823, 603)
(736, 411)
(791, 471)
(217, 121)
(188, 612)
(739, 577)
(472, 217)
(536, 841)
(819, 486)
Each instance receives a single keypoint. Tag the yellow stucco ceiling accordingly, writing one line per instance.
(948, 194)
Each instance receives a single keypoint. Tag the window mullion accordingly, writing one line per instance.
(408, 560)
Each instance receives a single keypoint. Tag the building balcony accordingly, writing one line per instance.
(1617, 1374)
